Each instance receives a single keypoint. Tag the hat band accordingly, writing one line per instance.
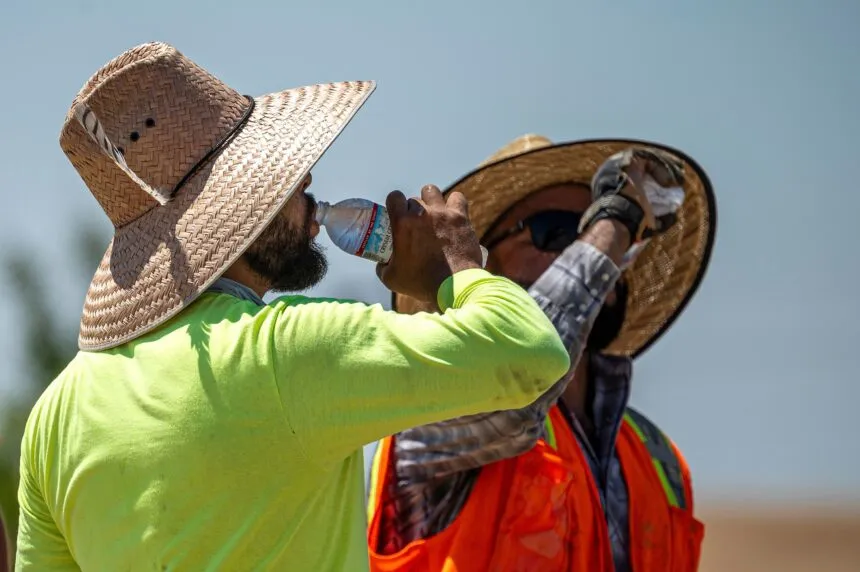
(223, 142)
(95, 130)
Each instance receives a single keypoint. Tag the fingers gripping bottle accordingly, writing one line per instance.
(362, 228)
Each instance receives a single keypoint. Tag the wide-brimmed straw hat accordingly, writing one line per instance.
(663, 277)
(190, 172)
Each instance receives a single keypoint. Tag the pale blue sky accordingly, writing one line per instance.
(757, 382)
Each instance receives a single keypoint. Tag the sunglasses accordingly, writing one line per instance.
(551, 231)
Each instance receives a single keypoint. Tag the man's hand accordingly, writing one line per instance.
(610, 225)
(654, 167)
(634, 189)
(627, 173)
(433, 239)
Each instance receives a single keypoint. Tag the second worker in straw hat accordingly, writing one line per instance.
(576, 480)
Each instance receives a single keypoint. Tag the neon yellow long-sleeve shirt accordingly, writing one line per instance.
(231, 437)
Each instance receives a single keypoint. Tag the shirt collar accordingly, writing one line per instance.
(235, 289)
(609, 377)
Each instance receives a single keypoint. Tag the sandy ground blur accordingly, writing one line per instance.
(783, 539)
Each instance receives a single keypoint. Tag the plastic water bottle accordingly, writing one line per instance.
(362, 228)
(664, 201)
(359, 227)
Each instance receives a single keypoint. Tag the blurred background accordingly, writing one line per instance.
(757, 383)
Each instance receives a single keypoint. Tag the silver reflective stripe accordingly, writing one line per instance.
(662, 454)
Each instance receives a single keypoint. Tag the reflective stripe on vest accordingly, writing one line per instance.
(663, 457)
(550, 432)
(373, 485)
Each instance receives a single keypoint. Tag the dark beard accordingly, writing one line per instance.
(286, 257)
(608, 323)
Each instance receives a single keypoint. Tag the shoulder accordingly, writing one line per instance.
(51, 405)
(220, 304)
(223, 312)
(644, 427)
(299, 301)
(669, 463)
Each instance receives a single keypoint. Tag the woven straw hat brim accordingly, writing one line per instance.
(666, 274)
(162, 261)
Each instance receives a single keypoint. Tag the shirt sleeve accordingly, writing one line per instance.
(349, 374)
(40, 545)
(570, 293)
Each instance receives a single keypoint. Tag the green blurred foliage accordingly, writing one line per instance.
(48, 343)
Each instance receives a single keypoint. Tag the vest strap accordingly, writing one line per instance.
(550, 433)
(663, 457)
(376, 474)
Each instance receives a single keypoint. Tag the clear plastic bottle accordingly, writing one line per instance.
(664, 201)
(361, 227)
(357, 226)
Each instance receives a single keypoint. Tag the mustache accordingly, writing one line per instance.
(310, 211)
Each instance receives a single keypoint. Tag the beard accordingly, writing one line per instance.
(287, 257)
(608, 323)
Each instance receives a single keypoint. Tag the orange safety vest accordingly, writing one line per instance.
(540, 511)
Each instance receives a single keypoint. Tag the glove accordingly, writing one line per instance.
(640, 187)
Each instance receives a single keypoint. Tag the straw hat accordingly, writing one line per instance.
(190, 172)
(664, 276)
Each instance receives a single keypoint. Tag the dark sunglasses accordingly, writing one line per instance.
(552, 231)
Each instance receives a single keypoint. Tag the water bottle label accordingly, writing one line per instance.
(376, 244)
